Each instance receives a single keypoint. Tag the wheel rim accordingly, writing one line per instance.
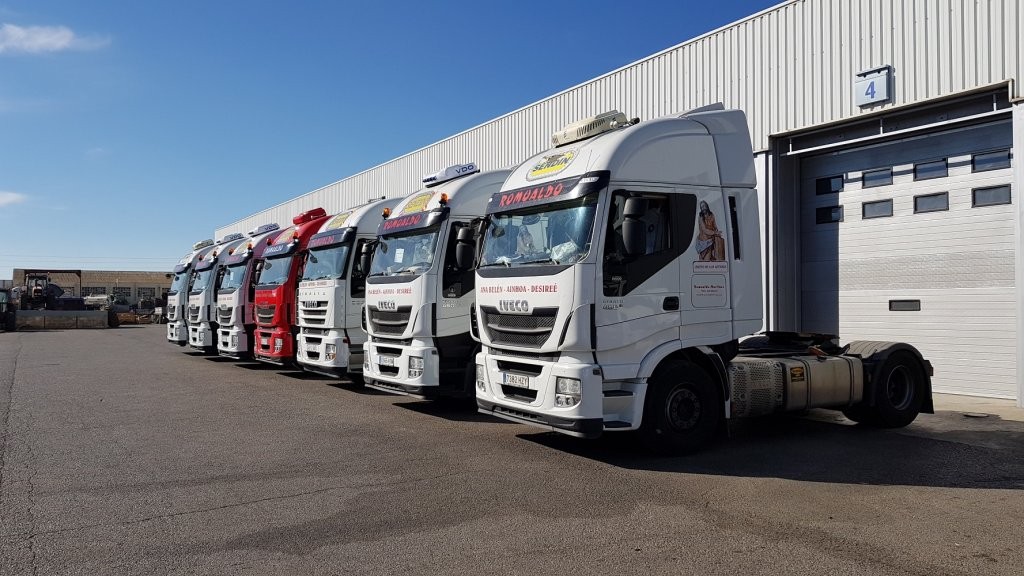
(683, 409)
(899, 387)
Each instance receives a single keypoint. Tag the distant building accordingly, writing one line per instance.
(126, 286)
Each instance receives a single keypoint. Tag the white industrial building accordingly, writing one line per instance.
(883, 133)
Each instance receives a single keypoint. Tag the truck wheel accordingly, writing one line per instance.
(899, 384)
(682, 410)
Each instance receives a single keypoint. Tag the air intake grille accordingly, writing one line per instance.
(193, 313)
(224, 315)
(386, 322)
(524, 330)
(265, 314)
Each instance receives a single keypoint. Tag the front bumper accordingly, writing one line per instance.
(232, 342)
(580, 427)
(386, 368)
(534, 402)
(177, 332)
(265, 346)
(311, 353)
(200, 337)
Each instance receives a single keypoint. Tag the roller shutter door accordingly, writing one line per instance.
(913, 240)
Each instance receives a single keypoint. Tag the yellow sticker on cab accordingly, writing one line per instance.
(417, 203)
(551, 164)
(338, 221)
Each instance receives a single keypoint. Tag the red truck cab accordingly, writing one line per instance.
(278, 273)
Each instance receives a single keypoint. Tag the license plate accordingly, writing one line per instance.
(265, 341)
(312, 348)
(516, 380)
(386, 360)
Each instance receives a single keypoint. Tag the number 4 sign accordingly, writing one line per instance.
(871, 87)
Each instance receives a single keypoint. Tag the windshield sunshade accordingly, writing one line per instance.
(410, 254)
(548, 234)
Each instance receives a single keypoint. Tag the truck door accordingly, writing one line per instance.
(639, 294)
(705, 274)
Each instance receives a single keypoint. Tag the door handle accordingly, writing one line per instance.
(670, 303)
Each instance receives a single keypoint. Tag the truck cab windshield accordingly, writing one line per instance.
(408, 254)
(202, 280)
(180, 281)
(275, 270)
(549, 234)
(326, 263)
(233, 276)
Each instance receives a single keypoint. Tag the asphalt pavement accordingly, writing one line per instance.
(122, 454)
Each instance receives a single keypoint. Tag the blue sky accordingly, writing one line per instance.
(129, 130)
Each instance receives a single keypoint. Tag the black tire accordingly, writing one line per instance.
(899, 390)
(682, 410)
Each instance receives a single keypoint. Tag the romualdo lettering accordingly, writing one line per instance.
(403, 222)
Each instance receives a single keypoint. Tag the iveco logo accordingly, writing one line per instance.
(387, 305)
(514, 306)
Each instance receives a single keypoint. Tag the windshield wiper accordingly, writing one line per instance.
(547, 260)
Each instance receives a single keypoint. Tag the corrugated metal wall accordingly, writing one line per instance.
(789, 67)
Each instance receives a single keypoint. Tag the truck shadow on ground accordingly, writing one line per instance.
(253, 365)
(219, 359)
(941, 450)
(354, 388)
(451, 409)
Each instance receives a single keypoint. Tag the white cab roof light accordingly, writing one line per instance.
(202, 244)
(589, 127)
(451, 173)
(263, 229)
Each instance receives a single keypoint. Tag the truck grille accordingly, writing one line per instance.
(224, 315)
(172, 312)
(193, 313)
(525, 330)
(386, 322)
(313, 312)
(265, 314)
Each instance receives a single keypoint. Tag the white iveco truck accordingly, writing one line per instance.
(177, 295)
(418, 300)
(617, 274)
(202, 295)
(333, 290)
(235, 294)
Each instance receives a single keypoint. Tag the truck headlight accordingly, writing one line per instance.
(481, 385)
(330, 351)
(234, 340)
(567, 392)
(415, 366)
(278, 345)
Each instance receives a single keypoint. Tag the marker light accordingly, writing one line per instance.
(386, 212)
(231, 252)
(270, 241)
(444, 199)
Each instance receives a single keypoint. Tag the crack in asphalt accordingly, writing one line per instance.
(5, 423)
(30, 535)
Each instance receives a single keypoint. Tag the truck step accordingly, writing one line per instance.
(612, 424)
(617, 393)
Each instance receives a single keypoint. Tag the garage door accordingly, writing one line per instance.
(913, 241)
